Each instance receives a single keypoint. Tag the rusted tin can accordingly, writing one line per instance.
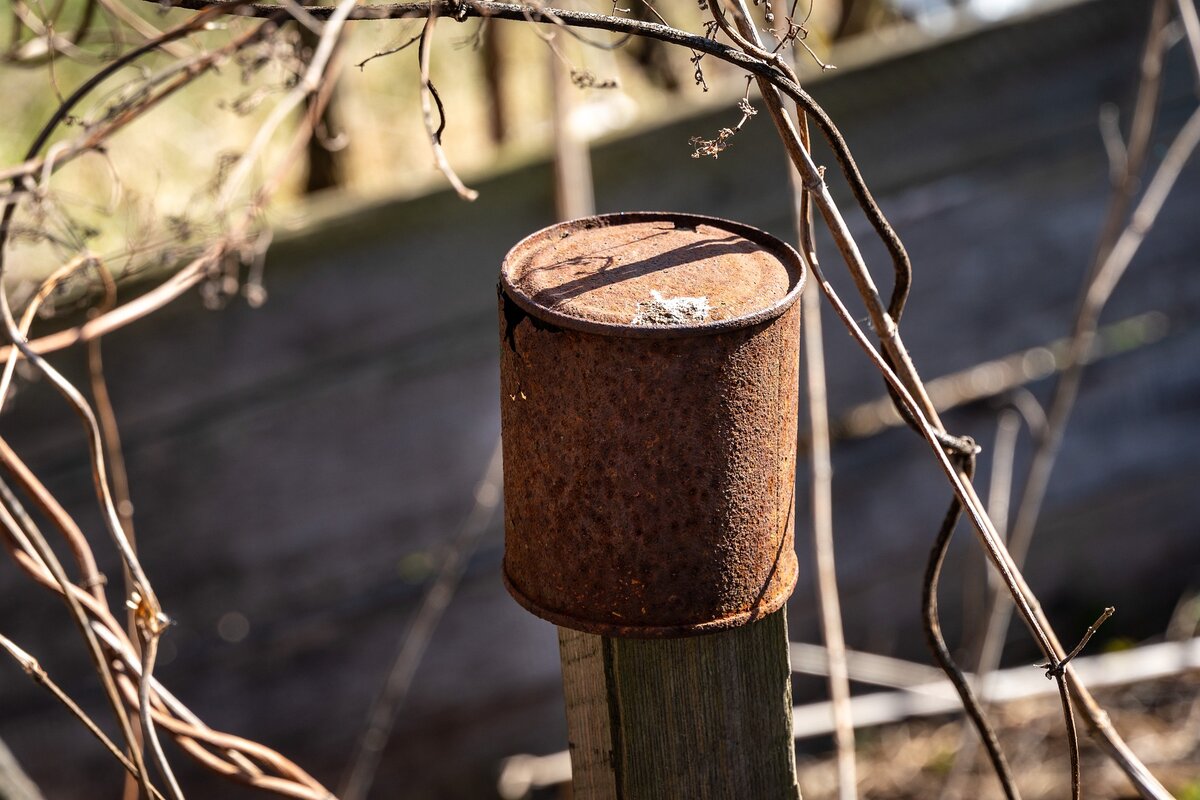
(649, 379)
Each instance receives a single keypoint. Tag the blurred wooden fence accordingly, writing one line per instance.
(300, 464)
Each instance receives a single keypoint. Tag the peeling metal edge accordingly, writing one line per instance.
(651, 631)
(776, 246)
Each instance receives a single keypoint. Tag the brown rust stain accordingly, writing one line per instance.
(649, 471)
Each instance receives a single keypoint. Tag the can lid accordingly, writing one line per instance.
(652, 274)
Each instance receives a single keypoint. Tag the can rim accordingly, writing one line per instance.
(767, 605)
(779, 248)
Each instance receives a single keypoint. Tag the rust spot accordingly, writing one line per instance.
(649, 470)
(512, 315)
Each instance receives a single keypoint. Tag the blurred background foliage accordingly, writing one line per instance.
(156, 180)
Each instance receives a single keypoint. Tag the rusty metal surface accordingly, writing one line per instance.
(649, 468)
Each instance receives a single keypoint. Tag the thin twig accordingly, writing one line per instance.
(1119, 242)
(151, 619)
(1095, 297)
(1056, 670)
(175, 286)
(1109, 123)
(151, 632)
(44, 291)
(429, 97)
(309, 83)
(1007, 375)
(187, 728)
(407, 43)
(1116, 747)
(39, 676)
(1094, 294)
(111, 433)
(1000, 480)
(94, 136)
(885, 325)
(1008, 426)
(31, 541)
(145, 29)
(186, 725)
(147, 599)
(823, 544)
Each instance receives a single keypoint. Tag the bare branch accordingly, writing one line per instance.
(937, 642)
(39, 676)
(429, 96)
(29, 540)
(1064, 695)
(1056, 670)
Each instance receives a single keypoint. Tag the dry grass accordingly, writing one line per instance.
(1160, 720)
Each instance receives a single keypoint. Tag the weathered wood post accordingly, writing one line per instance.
(649, 393)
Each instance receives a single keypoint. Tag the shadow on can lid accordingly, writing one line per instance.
(625, 274)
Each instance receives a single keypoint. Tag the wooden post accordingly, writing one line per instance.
(701, 718)
(574, 196)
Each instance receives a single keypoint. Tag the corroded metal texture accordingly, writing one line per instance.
(648, 371)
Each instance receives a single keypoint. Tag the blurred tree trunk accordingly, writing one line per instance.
(325, 168)
(574, 193)
(650, 54)
(493, 78)
(859, 16)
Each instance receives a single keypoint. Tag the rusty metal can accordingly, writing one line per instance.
(649, 380)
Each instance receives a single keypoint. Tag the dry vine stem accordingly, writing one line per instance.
(29, 548)
(814, 182)
(35, 671)
(29, 540)
(1066, 389)
(774, 76)
(821, 478)
(109, 429)
(1118, 241)
(47, 42)
(150, 617)
(1120, 238)
(180, 722)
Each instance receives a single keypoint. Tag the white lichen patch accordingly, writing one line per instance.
(659, 310)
